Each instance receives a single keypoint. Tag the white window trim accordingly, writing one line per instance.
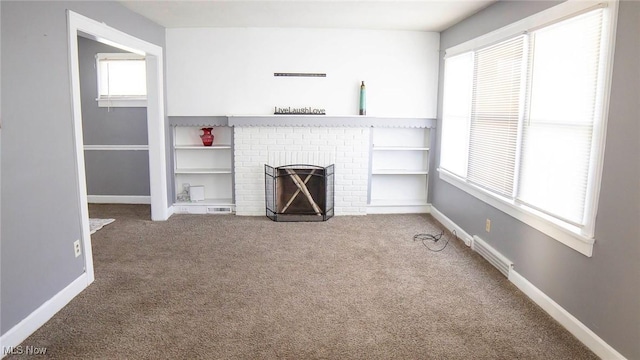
(581, 240)
(544, 223)
(123, 102)
(118, 101)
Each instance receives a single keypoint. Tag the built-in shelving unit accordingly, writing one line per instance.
(399, 170)
(399, 158)
(208, 166)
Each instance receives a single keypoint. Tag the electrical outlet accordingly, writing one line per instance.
(487, 226)
(76, 248)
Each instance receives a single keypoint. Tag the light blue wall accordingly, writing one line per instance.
(603, 291)
(40, 205)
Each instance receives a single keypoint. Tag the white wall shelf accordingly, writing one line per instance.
(399, 170)
(201, 147)
(204, 171)
(400, 148)
(208, 166)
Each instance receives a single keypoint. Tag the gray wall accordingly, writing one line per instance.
(111, 172)
(603, 291)
(40, 206)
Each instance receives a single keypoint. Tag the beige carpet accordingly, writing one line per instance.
(230, 287)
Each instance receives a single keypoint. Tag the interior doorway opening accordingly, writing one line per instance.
(79, 25)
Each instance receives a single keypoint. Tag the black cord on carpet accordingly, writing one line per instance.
(430, 240)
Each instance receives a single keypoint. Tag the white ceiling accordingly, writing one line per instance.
(419, 15)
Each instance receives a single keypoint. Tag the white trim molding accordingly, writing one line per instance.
(451, 226)
(118, 199)
(22, 330)
(78, 24)
(568, 321)
(543, 18)
(538, 221)
(127, 103)
(81, 25)
(117, 147)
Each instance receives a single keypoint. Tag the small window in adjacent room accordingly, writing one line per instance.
(122, 80)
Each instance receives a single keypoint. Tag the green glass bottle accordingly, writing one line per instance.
(363, 99)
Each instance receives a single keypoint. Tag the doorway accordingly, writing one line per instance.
(79, 25)
(114, 124)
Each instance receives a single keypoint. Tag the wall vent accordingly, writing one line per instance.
(492, 255)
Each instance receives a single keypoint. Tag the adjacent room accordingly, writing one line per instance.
(320, 179)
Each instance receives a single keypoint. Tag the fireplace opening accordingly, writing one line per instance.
(299, 192)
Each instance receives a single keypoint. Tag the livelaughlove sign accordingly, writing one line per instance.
(298, 111)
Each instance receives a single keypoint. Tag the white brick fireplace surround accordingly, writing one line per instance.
(314, 140)
(347, 148)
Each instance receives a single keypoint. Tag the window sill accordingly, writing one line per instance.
(549, 226)
(122, 103)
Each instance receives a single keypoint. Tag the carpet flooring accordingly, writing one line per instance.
(231, 287)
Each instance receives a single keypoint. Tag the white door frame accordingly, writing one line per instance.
(84, 26)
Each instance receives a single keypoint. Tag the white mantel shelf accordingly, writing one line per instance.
(302, 121)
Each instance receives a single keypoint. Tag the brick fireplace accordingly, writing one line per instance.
(346, 147)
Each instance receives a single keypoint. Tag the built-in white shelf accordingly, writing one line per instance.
(226, 202)
(202, 147)
(203, 171)
(400, 148)
(398, 202)
(398, 172)
(206, 206)
(208, 166)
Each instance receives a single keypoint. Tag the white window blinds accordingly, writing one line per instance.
(563, 78)
(523, 118)
(495, 115)
(456, 111)
(121, 75)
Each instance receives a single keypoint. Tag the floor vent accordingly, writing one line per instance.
(491, 255)
(219, 210)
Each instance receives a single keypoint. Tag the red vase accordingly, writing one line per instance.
(207, 136)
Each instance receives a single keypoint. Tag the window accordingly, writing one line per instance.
(524, 118)
(122, 80)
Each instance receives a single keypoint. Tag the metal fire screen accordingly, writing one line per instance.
(299, 192)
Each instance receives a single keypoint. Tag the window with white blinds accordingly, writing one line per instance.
(122, 79)
(495, 114)
(523, 119)
(454, 147)
(564, 71)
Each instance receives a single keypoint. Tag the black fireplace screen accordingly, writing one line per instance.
(299, 192)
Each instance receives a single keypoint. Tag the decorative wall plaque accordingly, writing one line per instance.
(298, 111)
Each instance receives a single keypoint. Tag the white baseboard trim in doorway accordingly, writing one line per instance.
(118, 199)
(22, 330)
(568, 321)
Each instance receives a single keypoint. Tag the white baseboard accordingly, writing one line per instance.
(41, 315)
(118, 199)
(568, 321)
(573, 325)
(450, 225)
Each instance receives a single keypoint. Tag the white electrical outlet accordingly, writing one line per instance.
(487, 226)
(76, 248)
